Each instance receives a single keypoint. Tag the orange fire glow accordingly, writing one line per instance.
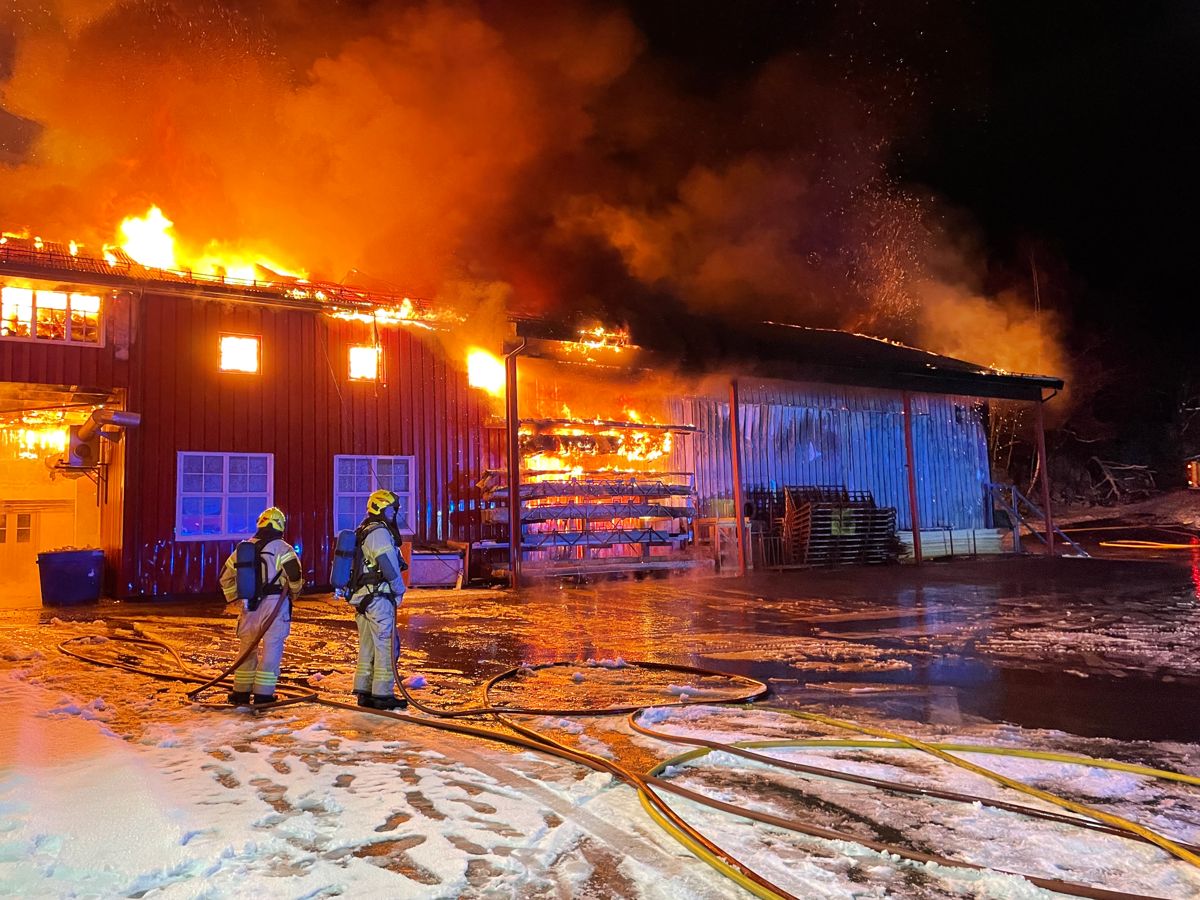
(596, 337)
(485, 371)
(575, 446)
(149, 240)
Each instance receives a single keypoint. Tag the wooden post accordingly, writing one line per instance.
(735, 444)
(914, 514)
(1044, 465)
(513, 426)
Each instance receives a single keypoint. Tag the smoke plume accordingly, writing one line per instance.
(533, 154)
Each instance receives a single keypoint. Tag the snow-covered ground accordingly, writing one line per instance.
(112, 784)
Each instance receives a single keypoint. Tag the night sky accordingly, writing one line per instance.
(1060, 130)
(673, 158)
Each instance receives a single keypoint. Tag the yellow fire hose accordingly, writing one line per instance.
(655, 806)
(1148, 545)
(1082, 809)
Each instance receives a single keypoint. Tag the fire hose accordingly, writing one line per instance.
(649, 784)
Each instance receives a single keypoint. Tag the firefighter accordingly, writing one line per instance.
(276, 578)
(377, 589)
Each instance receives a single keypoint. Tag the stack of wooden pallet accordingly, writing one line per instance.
(824, 526)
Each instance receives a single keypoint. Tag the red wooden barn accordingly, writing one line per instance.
(309, 396)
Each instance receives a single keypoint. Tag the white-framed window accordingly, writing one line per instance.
(219, 495)
(240, 353)
(355, 477)
(62, 317)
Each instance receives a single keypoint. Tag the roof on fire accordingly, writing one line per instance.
(798, 353)
(701, 345)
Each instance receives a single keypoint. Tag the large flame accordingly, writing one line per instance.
(147, 240)
(485, 371)
(577, 445)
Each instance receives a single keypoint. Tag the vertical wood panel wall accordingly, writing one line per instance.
(303, 408)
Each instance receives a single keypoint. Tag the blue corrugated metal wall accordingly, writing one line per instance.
(815, 434)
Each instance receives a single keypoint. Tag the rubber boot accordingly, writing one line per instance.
(264, 699)
(387, 702)
(239, 698)
(362, 698)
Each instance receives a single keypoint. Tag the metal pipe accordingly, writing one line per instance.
(1045, 479)
(735, 444)
(104, 416)
(513, 426)
(910, 456)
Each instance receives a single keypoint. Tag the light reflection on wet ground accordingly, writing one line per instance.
(1093, 647)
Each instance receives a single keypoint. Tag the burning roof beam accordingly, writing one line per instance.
(608, 423)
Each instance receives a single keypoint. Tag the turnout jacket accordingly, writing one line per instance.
(277, 554)
(382, 567)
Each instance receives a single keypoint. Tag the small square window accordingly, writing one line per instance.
(3, 528)
(239, 353)
(364, 363)
(24, 527)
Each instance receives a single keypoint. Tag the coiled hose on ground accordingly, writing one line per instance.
(649, 784)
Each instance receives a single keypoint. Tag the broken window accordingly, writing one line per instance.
(58, 316)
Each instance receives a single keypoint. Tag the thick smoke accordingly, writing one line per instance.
(530, 154)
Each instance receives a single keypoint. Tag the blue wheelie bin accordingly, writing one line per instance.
(70, 576)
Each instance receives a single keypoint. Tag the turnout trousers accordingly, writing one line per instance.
(376, 673)
(260, 670)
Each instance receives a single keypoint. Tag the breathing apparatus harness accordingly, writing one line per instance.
(373, 580)
(250, 565)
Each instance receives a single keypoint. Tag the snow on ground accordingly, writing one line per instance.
(997, 838)
(114, 785)
(225, 804)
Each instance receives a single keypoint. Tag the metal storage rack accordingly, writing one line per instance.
(604, 521)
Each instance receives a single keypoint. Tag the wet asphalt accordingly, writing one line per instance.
(1094, 647)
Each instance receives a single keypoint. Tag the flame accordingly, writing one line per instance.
(241, 266)
(597, 337)
(485, 371)
(580, 444)
(34, 434)
(146, 240)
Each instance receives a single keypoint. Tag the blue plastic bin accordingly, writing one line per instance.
(70, 576)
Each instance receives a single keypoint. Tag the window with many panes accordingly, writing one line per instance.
(58, 316)
(219, 495)
(355, 477)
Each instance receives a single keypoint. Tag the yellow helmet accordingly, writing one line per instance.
(272, 517)
(379, 501)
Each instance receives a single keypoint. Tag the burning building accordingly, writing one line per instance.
(255, 387)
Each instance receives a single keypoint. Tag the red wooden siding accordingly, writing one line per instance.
(302, 408)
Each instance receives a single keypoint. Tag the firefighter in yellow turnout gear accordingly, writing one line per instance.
(377, 589)
(279, 578)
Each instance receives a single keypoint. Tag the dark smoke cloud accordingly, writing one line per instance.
(532, 154)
